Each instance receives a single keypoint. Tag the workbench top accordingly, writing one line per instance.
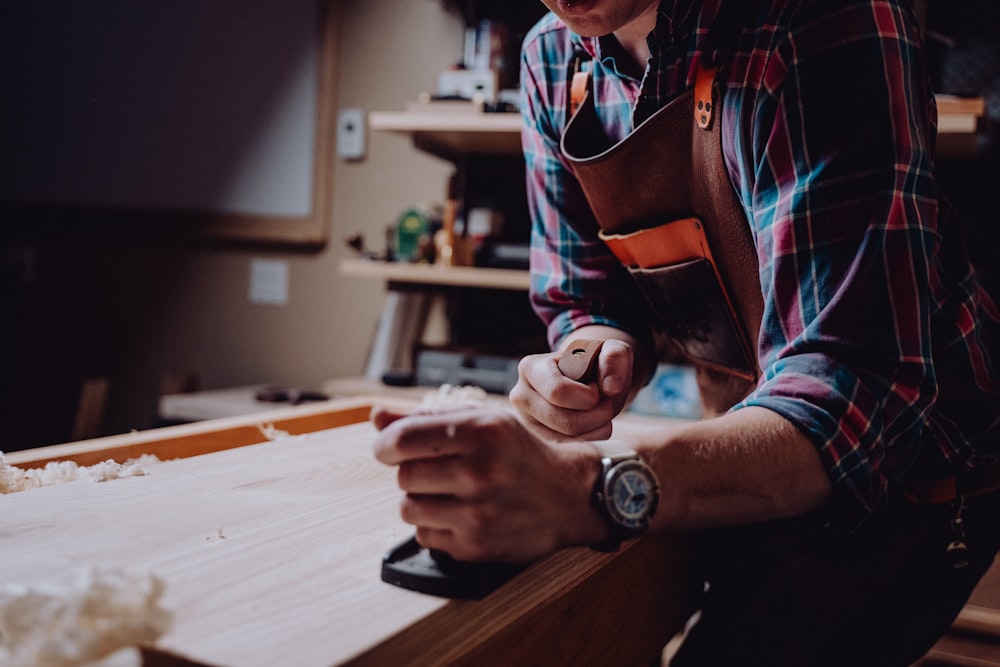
(271, 554)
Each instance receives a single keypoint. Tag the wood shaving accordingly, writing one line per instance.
(269, 431)
(449, 397)
(96, 615)
(13, 479)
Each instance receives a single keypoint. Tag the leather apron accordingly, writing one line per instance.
(667, 209)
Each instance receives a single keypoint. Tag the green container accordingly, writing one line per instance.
(413, 225)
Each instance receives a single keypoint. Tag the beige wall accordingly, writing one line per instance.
(391, 51)
(134, 309)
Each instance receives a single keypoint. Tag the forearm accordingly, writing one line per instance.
(746, 466)
(460, 466)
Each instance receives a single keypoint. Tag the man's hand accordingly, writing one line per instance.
(481, 487)
(556, 407)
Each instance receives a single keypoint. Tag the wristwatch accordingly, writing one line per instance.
(626, 493)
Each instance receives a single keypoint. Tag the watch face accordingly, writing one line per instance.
(632, 495)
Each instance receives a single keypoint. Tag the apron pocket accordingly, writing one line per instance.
(692, 308)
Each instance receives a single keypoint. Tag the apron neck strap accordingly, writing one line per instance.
(579, 81)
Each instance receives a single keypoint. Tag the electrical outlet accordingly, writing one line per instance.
(269, 282)
(351, 134)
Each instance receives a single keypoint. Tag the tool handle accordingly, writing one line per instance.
(579, 360)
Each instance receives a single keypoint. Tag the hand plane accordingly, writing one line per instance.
(411, 566)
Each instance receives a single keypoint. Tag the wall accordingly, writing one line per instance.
(110, 103)
(134, 307)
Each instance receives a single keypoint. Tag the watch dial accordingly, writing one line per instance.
(633, 495)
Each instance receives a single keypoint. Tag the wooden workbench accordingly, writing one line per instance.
(271, 553)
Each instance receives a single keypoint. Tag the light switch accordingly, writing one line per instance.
(351, 134)
(269, 282)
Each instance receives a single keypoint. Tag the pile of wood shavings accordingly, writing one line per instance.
(449, 397)
(13, 479)
(102, 612)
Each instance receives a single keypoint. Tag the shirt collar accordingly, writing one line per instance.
(605, 49)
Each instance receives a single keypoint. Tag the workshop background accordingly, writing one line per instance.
(147, 311)
(137, 306)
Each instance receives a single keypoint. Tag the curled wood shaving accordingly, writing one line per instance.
(13, 479)
(96, 615)
(449, 397)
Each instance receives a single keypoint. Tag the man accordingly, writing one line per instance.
(843, 503)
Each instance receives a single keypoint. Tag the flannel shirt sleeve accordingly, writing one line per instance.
(575, 280)
(844, 206)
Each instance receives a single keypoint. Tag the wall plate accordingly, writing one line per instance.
(351, 134)
(268, 282)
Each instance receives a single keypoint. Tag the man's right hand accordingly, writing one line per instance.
(557, 408)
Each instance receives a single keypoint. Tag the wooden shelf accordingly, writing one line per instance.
(959, 115)
(432, 274)
(452, 134)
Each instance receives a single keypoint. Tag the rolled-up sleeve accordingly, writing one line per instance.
(840, 190)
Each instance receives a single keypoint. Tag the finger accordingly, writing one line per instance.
(603, 431)
(558, 425)
(436, 476)
(444, 525)
(551, 416)
(564, 392)
(429, 511)
(456, 547)
(587, 424)
(549, 387)
(437, 539)
(425, 436)
(382, 416)
(529, 402)
(524, 398)
(615, 367)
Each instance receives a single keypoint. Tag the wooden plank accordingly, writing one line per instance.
(268, 551)
(271, 555)
(200, 438)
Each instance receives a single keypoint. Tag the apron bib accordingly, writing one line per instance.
(667, 210)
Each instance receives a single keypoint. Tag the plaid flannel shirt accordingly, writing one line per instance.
(875, 334)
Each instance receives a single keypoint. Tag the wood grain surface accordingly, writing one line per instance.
(271, 555)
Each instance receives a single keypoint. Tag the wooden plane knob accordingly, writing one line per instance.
(579, 360)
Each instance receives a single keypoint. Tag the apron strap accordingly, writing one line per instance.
(703, 107)
(579, 83)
